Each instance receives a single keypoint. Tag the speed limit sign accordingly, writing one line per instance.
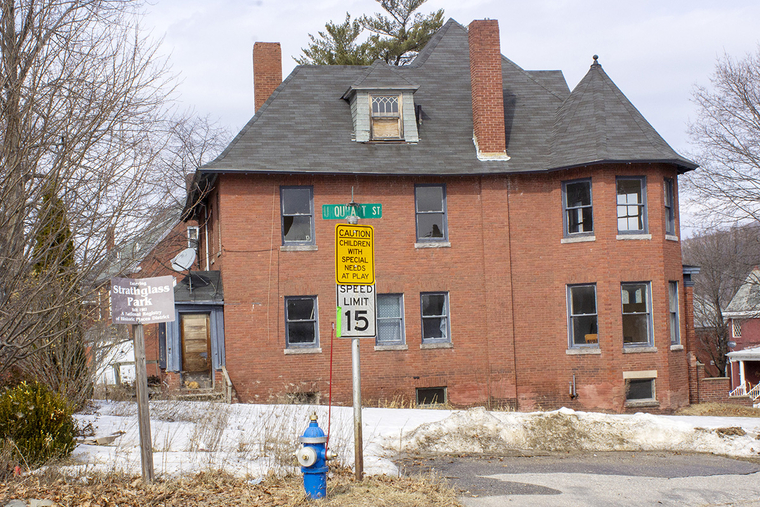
(356, 311)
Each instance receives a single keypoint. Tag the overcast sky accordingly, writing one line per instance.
(655, 51)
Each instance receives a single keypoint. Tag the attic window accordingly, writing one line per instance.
(386, 117)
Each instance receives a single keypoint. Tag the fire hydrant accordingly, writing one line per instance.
(313, 456)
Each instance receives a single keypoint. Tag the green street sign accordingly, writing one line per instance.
(341, 211)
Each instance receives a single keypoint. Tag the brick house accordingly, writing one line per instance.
(743, 315)
(527, 255)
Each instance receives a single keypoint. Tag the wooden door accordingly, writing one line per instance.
(196, 345)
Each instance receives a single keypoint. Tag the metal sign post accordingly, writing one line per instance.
(355, 295)
(138, 301)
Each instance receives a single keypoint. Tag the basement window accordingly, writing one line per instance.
(431, 395)
(639, 389)
(386, 117)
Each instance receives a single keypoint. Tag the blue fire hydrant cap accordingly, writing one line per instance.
(313, 433)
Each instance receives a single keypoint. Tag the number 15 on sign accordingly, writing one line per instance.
(356, 311)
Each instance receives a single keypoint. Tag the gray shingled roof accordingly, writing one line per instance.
(306, 127)
(746, 301)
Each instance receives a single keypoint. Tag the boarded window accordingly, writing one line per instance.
(386, 117)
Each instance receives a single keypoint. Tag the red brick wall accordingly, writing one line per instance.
(506, 273)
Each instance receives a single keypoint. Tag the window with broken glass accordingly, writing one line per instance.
(435, 317)
(581, 309)
(430, 207)
(637, 317)
(579, 220)
(301, 328)
(386, 117)
(297, 211)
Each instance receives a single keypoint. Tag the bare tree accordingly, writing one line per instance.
(725, 257)
(85, 116)
(726, 134)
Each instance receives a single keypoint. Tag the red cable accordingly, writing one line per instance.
(329, 396)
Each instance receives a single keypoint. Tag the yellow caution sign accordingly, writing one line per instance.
(354, 254)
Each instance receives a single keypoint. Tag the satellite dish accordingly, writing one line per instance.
(184, 260)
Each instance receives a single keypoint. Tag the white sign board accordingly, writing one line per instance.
(142, 300)
(356, 311)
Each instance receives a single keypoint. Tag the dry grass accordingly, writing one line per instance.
(719, 410)
(221, 489)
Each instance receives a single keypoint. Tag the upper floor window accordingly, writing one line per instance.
(581, 306)
(430, 208)
(577, 206)
(637, 314)
(435, 317)
(631, 205)
(386, 117)
(675, 338)
(192, 236)
(390, 319)
(670, 214)
(297, 208)
(301, 329)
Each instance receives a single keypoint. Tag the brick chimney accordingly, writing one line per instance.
(487, 90)
(267, 70)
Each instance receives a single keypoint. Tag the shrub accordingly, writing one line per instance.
(37, 423)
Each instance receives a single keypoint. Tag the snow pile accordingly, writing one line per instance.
(477, 431)
(253, 440)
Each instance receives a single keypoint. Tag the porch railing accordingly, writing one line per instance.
(227, 385)
(740, 390)
(754, 393)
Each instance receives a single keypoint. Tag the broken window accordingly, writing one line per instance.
(430, 206)
(578, 209)
(297, 208)
(435, 317)
(581, 301)
(431, 395)
(631, 205)
(301, 321)
(637, 318)
(386, 117)
(390, 319)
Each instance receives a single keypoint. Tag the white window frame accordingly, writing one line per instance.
(193, 236)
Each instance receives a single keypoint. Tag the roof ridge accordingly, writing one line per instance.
(426, 51)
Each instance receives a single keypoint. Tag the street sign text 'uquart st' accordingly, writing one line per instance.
(354, 254)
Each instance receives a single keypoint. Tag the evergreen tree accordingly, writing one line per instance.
(396, 39)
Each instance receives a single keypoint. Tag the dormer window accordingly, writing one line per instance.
(386, 117)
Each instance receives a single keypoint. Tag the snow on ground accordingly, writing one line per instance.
(252, 440)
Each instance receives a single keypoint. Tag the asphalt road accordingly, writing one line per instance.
(596, 479)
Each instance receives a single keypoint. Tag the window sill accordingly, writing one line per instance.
(391, 347)
(304, 350)
(641, 403)
(638, 350)
(578, 239)
(433, 244)
(445, 345)
(583, 351)
(633, 236)
(676, 347)
(298, 248)
(670, 237)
